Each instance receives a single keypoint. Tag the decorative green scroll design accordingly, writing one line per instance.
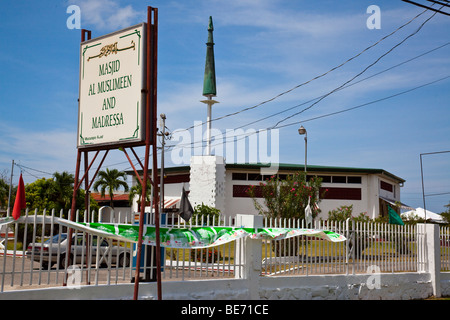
(200, 237)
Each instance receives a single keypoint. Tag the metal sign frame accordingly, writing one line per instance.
(149, 141)
(112, 90)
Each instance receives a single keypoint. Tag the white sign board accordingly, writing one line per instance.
(111, 102)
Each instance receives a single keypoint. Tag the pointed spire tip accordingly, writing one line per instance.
(210, 25)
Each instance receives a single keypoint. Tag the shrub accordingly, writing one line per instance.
(206, 212)
(287, 198)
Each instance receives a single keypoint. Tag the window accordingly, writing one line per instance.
(239, 176)
(340, 193)
(386, 186)
(354, 180)
(339, 179)
(240, 191)
(254, 177)
(325, 179)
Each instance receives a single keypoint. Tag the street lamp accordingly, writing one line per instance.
(302, 131)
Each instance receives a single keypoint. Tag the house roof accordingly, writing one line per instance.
(316, 168)
(293, 167)
(116, 197)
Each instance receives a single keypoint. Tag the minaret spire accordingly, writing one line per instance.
(209, 82)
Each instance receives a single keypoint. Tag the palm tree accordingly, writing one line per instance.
(137, 191)
(61, 190)
(111, 180)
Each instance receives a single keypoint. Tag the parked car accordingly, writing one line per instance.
(58, 243)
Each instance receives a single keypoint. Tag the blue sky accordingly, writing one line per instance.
(262, 48)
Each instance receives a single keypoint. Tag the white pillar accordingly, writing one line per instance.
(430, 254)
(207, 182)
(248, 254)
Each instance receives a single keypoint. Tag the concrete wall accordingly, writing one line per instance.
(249, 285)
(406, 286)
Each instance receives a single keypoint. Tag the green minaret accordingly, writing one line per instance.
(209, 84)
(209, 81)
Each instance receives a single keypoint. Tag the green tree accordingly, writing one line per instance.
(110, 180)
(208, 213)
(37, 195)
(136, 190)
(55, 194)
(446, 214)
(4, 193)
(61, 190)
(287, 198)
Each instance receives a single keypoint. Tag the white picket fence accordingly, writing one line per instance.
(389, 248)
(444, 238)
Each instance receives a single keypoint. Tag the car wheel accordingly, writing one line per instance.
(124, 260)
(63, 261)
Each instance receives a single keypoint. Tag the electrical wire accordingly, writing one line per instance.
(168, 147)
(360, 73)
(321, 116)
(347, 86)
(316, 77)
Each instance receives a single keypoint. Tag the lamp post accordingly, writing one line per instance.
(302, 131)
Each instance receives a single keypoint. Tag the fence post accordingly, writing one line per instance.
(249, 254)
(430, 260)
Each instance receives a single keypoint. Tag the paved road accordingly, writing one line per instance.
(22, 273)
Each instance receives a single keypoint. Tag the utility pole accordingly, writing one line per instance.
(163, 143)
(8, 210)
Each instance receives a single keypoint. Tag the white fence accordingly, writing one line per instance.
(444, 239)
(24, 261)
(390, 248)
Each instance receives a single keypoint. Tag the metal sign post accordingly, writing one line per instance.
(152, 38)
(109, 98)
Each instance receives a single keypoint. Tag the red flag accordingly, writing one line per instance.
(19, 203)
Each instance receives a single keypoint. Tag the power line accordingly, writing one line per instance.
(360, 73)
(309, 81)
(315, 78)
(347, 86)
(430, 8)
(21, 166)
(325, 115)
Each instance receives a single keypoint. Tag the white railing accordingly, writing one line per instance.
(372, 247)
(24, 259)
(37, 255)
(182, 264)
(369, 247)
(444, 238)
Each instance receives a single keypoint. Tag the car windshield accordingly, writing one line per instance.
(56, 238)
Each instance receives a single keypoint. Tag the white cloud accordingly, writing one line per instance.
(106, 14)
(48, 151)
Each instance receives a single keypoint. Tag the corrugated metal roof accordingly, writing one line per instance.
(294, 167)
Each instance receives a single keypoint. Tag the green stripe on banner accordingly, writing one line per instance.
(200, 237)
